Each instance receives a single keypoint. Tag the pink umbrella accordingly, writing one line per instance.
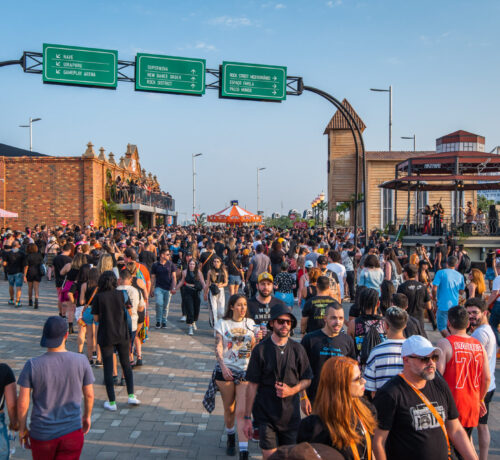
(4, 213)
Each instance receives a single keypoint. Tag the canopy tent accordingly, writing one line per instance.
(234, 215)
(4, 213)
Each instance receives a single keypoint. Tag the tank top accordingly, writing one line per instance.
(463, 375)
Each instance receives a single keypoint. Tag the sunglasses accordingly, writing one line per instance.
(284, 321)
(426, 359)
(358, 379)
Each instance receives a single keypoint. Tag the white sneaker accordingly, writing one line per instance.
(110, 407)
(134, 401)
(195, 327)
(183, 319)
(190, 330)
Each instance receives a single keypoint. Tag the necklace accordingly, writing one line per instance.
(281, 348)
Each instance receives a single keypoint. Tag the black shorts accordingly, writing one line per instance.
(220, 377)
(487, 399)
(272, 438)
(140, 316)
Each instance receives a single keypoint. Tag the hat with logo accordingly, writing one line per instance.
(54, 330)
(265, 276)
(418, 346)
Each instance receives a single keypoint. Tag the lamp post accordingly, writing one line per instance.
(322, 200)
(411, 137)
(258, 197)
(30, 126)
(390, 111)
(194, 155)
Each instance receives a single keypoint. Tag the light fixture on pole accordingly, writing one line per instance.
(258, 197)
(194, 155)
(411, 137)
(30, 126)
(390, 111)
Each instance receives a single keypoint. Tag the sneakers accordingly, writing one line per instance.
(111, 407)
(138, 362)
(164, 326)
(183, 319)
(11, 302)
(190, 330)
(18, 304)
(195, 327)
(133, 401)
(158, 325)
(231, 445)
(98, 364)
(36, 304)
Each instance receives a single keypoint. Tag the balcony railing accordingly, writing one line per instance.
(139, 195)
(488, 227)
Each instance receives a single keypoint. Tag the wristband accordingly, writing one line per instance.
(304, 397)
(246, 417)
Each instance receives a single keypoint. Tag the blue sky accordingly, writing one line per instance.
(440, 57)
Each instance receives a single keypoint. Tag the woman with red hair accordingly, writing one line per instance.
(341, 418)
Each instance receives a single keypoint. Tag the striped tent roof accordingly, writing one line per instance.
(234, 214)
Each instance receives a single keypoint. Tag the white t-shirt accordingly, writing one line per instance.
(134, 297)
(237, 341)
(487, 338)
(496, 284)
(339, 269)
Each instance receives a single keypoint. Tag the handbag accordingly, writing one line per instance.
(87, 316)
(214, 289)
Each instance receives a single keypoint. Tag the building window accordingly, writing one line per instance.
(387, 207)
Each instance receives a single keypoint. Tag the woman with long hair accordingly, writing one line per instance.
(190, 285)
(476, 286)
(371, 275)
(277, 256)
(106, 263)
(70, 271)
(234, 341)
(340, 417)
(33, 272)
(51, 251)
(234, 268)
(392, 267)
(217, 280)
(108, 308)
(309, 287)
(284, 284)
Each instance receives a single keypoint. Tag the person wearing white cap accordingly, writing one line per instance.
(417, 416)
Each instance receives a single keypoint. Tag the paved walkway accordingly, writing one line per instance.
(171, 422)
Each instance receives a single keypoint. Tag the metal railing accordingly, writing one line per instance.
(139, 195)
(488, 227)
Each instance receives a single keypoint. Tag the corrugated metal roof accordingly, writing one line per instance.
(338, 121)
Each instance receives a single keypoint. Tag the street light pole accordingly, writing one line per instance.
(258, 197)
(390, 111)
(30, 126)
(414, 140)
(194, 155)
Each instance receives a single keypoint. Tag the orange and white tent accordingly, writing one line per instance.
(234, 215)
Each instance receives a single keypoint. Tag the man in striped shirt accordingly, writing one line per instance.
(385, 359)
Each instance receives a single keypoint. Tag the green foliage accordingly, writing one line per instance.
(280, 222)
(111, 212)
(484, 203)
(200, 220)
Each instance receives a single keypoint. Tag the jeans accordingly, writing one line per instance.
(4, 439)
(350, 283)
(107, 362)
(162, 304)
(16, 279)
(67, 447)
(495, 320)
(190, 304)
(442, 320)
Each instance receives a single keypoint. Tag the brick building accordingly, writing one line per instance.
(384, 206)
(45, 189)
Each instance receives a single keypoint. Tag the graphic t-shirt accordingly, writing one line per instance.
(320, 347)
(418, 295)
(414, 433)
(314, 310)
(261, 312)
(237, 340)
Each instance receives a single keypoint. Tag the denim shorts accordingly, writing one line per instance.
(490, 274)
(442, 319)
(234, 280)
(16, 280)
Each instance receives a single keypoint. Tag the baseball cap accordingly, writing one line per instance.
(54, 330)
(418, 346)
(309, 264)
(265, 276)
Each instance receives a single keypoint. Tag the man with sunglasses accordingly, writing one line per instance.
(464, 365)
(277, 372)
(417, 416)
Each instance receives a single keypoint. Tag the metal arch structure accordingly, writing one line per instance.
(32, 62)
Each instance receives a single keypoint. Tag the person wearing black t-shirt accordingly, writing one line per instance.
(313, 313)
(277, 372)
(419, 298)
(407, 426)
(14, 262)
(413, 326)
(8, 395)
(59, 262)
(259, 307)
(322, 344)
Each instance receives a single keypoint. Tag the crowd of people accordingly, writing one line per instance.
(367, 386)
(139, 191)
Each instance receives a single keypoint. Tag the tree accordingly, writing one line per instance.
(322, 206)
(484, 203)
(200, 220)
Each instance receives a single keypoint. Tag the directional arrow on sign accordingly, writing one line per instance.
(193, 78)
(58, 72)
(274, 86)
(58, 56)
(193, 71)
(274, 92)
(275, 78)
(58, 63)
(192, 85)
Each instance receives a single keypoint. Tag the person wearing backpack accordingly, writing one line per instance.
(368, 328)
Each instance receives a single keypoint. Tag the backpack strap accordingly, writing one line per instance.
(433, 410)
(207, 259)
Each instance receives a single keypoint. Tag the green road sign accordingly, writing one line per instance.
(253, 81)
(73, 65)
(169, 74)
